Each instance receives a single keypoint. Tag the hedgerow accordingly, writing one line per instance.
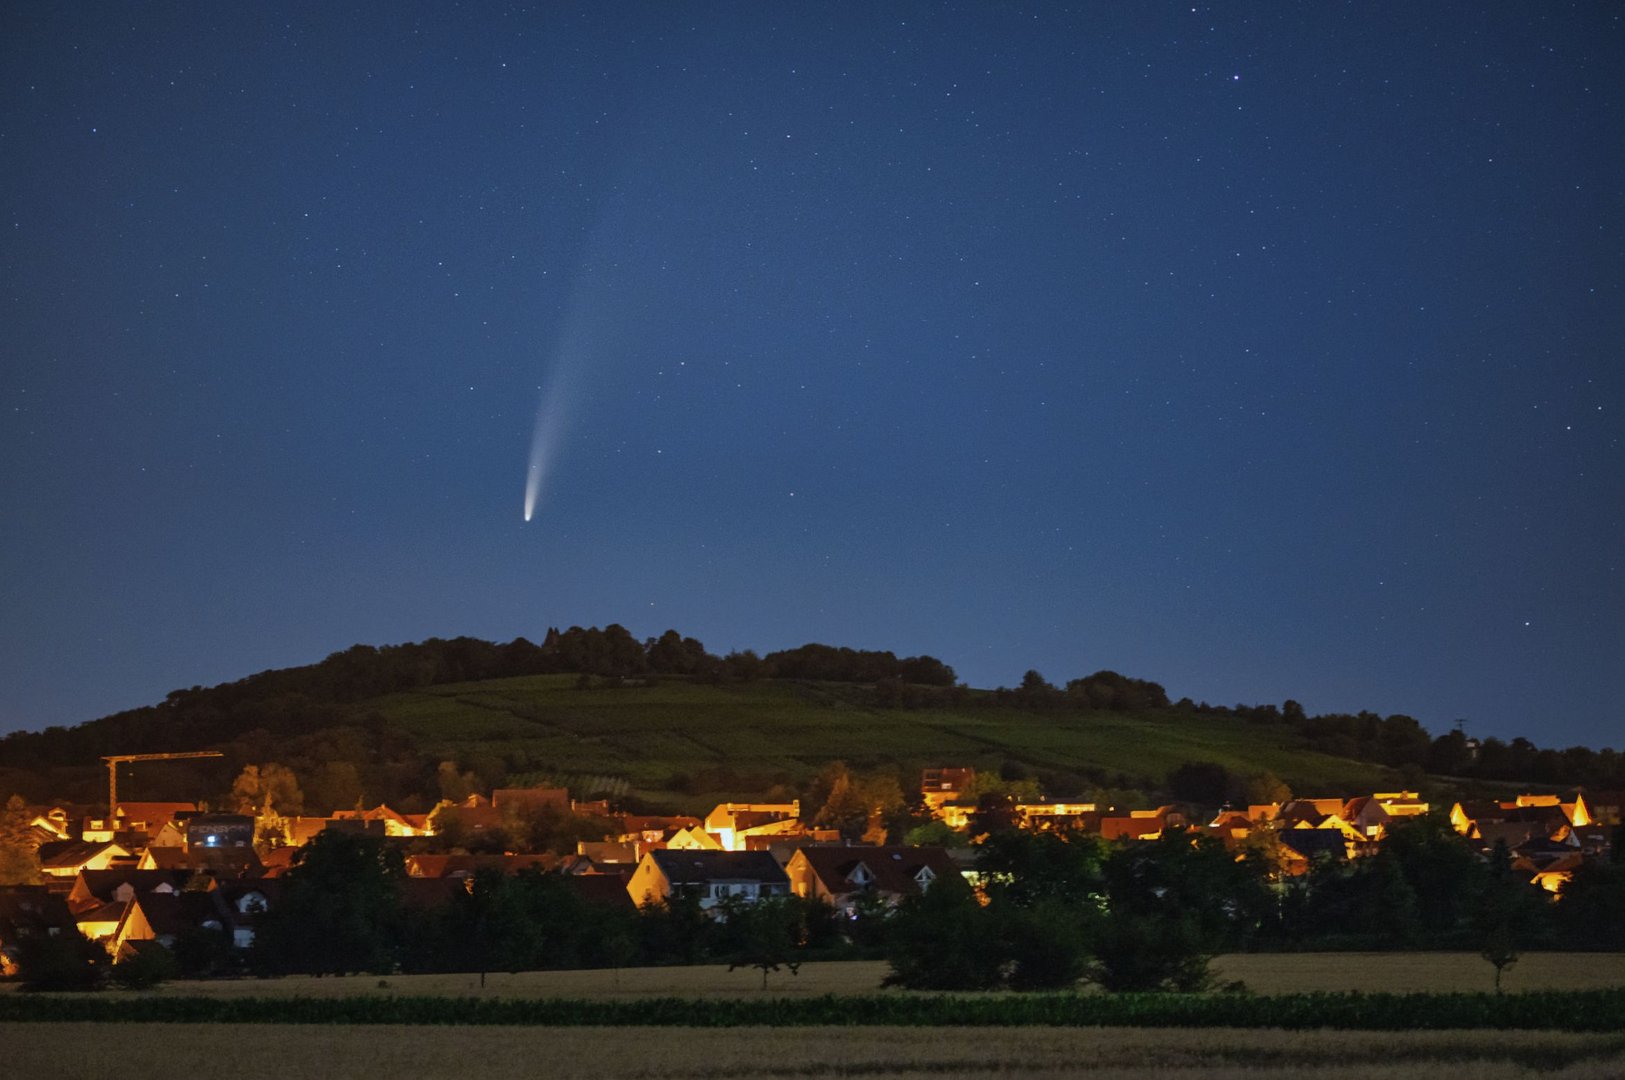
(1580, 1011)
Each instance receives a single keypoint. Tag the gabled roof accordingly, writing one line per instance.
(221, 862)
(26, 910)
(98, 886)
(532, 798)
(464, 866)
(110, 913)
(704, 867)
(642, 823)
(154, 815)
(1130, 828)
(169, 914)
(381, 812)
(894, 869)
(1311, 843)
(71, 854)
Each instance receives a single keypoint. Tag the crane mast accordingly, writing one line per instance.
(113, 764)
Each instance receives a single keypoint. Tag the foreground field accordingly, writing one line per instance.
(1263, 973)
(355, 1053)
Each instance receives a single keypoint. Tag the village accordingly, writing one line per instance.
(150, 873)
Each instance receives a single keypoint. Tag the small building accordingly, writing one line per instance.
(67, 858)
(220, 831)
(711, 876)
(28, 911)
(946, 784)
(842, 876)
(734, 824)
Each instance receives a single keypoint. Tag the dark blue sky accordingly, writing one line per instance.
(1266, 351)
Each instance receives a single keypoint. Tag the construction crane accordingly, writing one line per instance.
(112, 771)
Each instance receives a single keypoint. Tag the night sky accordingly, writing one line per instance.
(1265, 351)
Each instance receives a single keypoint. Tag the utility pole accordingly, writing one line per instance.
(112, 771)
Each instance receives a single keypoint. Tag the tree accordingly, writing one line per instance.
(1205, 783)
(455, 786)
(1170, 905)
(763, 934)
(1048, 944)
(944, 940)
(267, 791)
(339, 911)
(336, 786)
(1509, 913)
(63, 961)
(1136, 951)
(150, 965)
(1262, 788)
(19, 854)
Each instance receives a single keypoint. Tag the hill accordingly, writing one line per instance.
(673, 737)
(666, 722)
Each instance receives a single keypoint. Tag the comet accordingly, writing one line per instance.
(544, 441)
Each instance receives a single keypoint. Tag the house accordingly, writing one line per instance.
(66, 858)
(946, 784)
(218, 862)
(607, 852)
(733, 824)
(1140, 824)
(1401, 804)
(389, 822)
(651, 828)
(1302, 847)
(94, 888)
(466, 866)
(956, 813)
(694, 838)
(529, 802)
(842, 876)
(1606, 807)
(245, 902)
(1231, 826)
(28, 911)
(1367, 816)
(49, 824)
(1061, 816)
(102, 921)
(1544, 812)
(219, 831)
(164, 917)
(148, 819)
(712, 876)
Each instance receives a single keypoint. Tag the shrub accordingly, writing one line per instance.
(146, 968)
(68, 961)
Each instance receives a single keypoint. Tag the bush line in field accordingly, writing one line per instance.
(1578, 1010)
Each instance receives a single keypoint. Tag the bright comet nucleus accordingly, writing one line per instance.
(543, 440)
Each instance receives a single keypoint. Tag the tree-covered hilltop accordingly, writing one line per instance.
(669, 718)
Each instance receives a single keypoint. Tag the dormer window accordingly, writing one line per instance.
(860, 875)
(924, 878)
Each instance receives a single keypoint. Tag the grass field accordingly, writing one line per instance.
(1265, 973)
(254, 1052)
(788, 730)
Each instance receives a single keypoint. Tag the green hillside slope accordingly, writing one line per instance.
(783, 732)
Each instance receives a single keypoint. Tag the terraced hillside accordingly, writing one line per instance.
(783, 732)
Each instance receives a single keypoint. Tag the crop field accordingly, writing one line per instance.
(788, 730)
(1263, 973)
(266, 1052)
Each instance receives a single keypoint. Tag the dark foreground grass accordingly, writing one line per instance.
(1573, 1011)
